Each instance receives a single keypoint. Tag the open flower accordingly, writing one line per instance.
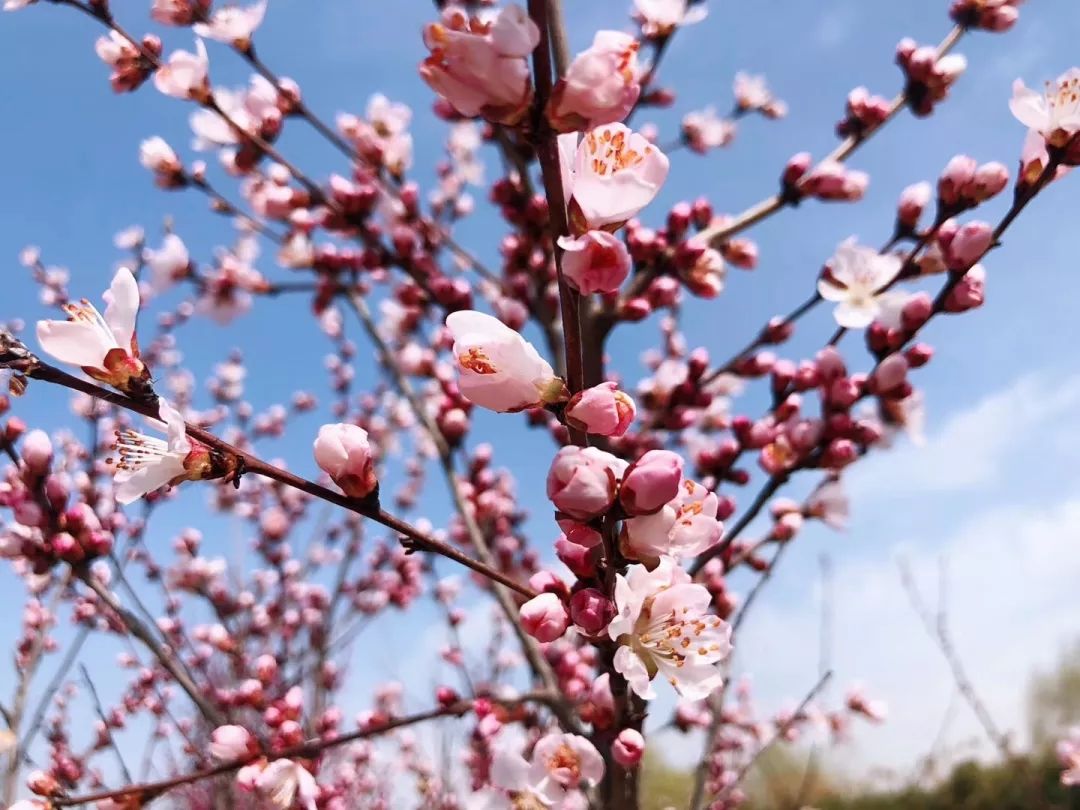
(752, 94)
(601, 85)
(168, 264)
(685, 527)
(105, 347)
(829, 504)
(148, 463)
(855, 278)
(1054, 113)
(609, 176)
(233, 24)
(480, 67)
(284, 781)
(497, 368)
(185, 75)
(663, 627)
(560, 767)
(660, 18)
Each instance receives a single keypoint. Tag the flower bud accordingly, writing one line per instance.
(582, 481)
(344, 453)
(595, 262)
(602, 410)
(651, 482)
(37, 451)
(230, 742)
(591, 610)
(628, 748)
(544, 617)
(912, 203)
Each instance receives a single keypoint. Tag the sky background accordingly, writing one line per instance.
(994, 491)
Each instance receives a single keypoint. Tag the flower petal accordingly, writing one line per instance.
(122, 310)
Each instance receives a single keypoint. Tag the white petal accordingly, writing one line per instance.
(630, 666)
(130, 486)
(851, 316)
(75, 342)
(122, 299)
(1029, 107)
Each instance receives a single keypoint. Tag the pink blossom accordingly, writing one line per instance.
(663, 627)
(545, 617)
(601, 85)
(628, 748)
(284, 781)
(704, 275)
(230, 742)
(148, 463)
(854, 278)
(969, 293)
(185, 75)
(591, 610)
(829, 504)
(873, 710)
(602, 410)
(651, 482)
(912, 203)
(15, 5)
(233, 24)
(864, 113)
(595, 262)
(703, 130)
(37, 452)
(129, 67)
(752, 94)
(1055, 113)
(479, 67)
(179, 12)
(104, 346)
(1068, 753)
(170, 263)
(660, 18)
(830, 180)
(967, 245)
(582, 481)
(497, 368)
(988, 15)
(610, 176)
(685, 527)
(929, 77)
(344, 452)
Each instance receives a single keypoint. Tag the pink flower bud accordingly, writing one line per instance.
(969, 293)
(990, 180)
(591, 610)
(37, 451)
(890, 374)
(595, 262)
(544, 617)
(830, 180)
(582, 481)
(628, 748)
(969, 245)
(957, 175)
(916, 311)
(797, 166)
(913, 201)
(344, 453)
(602, 410)
(651, 482)
(230, 742)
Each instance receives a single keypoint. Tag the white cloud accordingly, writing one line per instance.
(971, 448)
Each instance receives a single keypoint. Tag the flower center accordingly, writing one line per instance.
(609, 152)
(476, 361)
(678, 634)
(564, 759)
(137, 450)
(1066, 94)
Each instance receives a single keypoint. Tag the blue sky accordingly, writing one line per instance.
(994, 490)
